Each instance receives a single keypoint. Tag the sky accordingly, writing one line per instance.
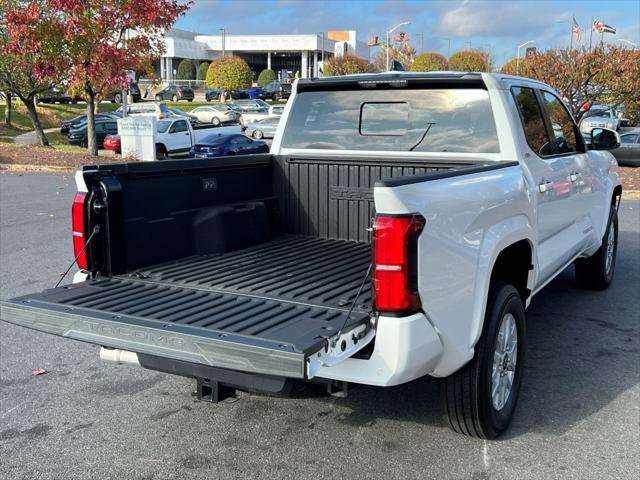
(494, 25)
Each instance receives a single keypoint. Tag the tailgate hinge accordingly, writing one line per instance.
(338, 349)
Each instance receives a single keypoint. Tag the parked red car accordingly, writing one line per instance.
(112, 142)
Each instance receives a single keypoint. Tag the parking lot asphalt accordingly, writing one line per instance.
(578, 416)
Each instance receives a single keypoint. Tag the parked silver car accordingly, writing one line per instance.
(263, 128)
(215, 114)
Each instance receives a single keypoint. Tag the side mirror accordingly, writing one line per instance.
(604, 139)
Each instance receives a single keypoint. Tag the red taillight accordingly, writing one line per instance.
(79, 230)
(395, 263)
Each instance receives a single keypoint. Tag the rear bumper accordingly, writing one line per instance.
(405, 349)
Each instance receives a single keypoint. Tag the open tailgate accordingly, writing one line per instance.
(235, 331)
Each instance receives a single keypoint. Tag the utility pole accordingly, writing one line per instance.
(590, 33)
(224, 35)
(448, 47)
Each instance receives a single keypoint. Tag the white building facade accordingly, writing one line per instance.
(285, 54)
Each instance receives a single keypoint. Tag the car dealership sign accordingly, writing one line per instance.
(137, 137)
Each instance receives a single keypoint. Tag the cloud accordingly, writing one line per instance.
(498, 19)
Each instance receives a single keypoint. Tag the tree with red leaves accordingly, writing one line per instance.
(100, 39)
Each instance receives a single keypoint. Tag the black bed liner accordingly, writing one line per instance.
(263, 309)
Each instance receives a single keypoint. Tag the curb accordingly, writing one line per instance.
(631, 194)
(18, 167)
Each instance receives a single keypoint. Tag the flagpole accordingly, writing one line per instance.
(591, 34)
(571, 42)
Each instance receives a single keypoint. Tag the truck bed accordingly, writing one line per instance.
(286, 295)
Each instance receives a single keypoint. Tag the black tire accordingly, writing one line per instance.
(596, 272)
(190, 100)
(117, 98)
(215, 121)
(161, 152)
(174, 98)
(158, 98)
(467, 401)
(257, 134)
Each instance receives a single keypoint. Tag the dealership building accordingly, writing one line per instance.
(285, 54)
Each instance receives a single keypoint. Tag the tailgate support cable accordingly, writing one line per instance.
(355, 300)
(95, 231)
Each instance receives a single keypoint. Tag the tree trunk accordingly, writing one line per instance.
(91, 124)
(35, 121)
(7, 109)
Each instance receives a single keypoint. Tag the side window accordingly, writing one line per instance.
(532, 121)
(240, 140)
(629, 138)
(179, 126)
(562, 124)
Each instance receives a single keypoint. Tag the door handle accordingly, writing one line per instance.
(545, 187)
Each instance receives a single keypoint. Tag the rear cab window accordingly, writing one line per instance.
(424, 119)
(532, 121)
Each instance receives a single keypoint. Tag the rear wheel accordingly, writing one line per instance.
(161, 152)
(215, 121)
(117, 98)
(174, 98)
(479, 399)
(158, 98)
(596, 272)
(258, 134)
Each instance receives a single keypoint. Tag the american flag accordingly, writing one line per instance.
(601, 27)
(577, 30)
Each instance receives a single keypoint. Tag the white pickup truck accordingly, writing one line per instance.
(175, 135)
(399, 227)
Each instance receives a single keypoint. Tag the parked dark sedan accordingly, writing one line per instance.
(175, 94)
(75, 122)
(277, 90)
(115, 96)
(79, 136)
(221, 145)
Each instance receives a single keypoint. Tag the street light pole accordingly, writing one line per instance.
(389, 32)
(421, 35)
(518, 58)
(223, 41)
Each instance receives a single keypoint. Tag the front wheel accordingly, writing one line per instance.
(215, 121)
(596, 272)
(258, 134)
(158, 98)
(479, 399)
(174, 98)
(117, 98)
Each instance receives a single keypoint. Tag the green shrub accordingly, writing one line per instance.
(230, 73)
(202, 70)
(469, 61)
(429, 62)
(266, 76)
(186, 70)
(345, 65)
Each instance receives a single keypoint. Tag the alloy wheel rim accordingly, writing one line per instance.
(505, 356)
(610, 249)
